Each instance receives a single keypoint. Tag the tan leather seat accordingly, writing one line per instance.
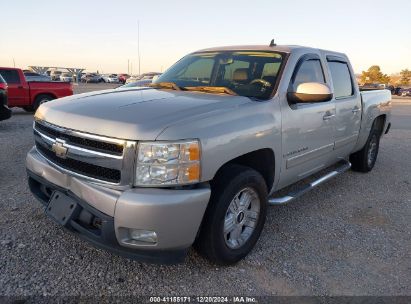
(241, 75)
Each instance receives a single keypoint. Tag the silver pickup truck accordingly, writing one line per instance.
(197, 158)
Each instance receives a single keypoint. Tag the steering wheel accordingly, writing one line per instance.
(263, 82)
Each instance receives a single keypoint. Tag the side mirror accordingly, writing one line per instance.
(308, 92)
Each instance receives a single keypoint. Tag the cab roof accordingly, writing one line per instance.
(279, 48)
(267, 48)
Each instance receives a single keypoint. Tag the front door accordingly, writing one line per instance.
(307, 129)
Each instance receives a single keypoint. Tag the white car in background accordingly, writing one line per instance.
(66, 77)
(111, 78)
(144, 76)
(91, 78)
(55, 75)
(138, 83)
(133, 78)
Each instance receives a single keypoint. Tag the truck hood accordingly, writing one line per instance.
(134, 114)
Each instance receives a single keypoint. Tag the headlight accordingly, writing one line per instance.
(168, 163)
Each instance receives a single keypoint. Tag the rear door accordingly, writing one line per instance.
(307, 129)
(18, 94)
(347, 103)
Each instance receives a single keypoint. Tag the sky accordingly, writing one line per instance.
(103, 35)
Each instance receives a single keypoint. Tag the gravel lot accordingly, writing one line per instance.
(350, 236)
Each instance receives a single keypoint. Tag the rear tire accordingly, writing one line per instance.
(29, 109)
(235, 215)
(364, 160)
(40, 99)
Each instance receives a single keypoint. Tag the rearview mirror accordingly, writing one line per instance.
(226, 60)
(308, 92)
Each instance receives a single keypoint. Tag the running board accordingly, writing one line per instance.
(345, 165)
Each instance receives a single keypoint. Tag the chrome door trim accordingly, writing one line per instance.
(299, 159)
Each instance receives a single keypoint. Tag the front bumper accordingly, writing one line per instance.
(175, 215)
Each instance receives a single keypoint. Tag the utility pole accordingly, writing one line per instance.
(14, 63)
(128, 66)
(138, 45)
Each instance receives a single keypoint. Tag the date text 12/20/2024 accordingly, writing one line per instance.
(203, 299)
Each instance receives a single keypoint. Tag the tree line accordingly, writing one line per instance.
(375, 75)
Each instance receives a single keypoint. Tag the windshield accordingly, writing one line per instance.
(247, 73)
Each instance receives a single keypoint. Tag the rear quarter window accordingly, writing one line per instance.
(2, 80)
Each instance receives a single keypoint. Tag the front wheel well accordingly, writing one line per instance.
(263, 161)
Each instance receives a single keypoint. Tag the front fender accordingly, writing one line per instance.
(231, 133)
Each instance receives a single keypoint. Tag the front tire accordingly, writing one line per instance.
(235, 215)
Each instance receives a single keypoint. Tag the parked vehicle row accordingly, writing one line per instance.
(199, 156)
(381, 86)
(404, 92)
(58, 75)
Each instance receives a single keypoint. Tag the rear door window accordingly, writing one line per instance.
(341, 77)
(10, 76)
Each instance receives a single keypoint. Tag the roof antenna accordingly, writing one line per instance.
(272, 43)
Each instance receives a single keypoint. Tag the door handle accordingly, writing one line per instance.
(356, 109)
(20, 87)
(328, 116)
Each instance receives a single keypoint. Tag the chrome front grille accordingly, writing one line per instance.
(97, 158)
(89, 143)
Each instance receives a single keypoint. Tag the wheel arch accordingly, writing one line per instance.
(262, 160)
(379, 123)
(44, 93)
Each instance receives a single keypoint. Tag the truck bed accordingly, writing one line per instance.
(374, 104)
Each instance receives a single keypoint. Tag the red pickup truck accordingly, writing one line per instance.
(30, 95)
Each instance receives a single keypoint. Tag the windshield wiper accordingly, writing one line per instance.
(220, 90)
(165, 85)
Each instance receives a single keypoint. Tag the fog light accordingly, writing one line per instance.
(145, 236)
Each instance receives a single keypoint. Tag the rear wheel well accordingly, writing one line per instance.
(45, 94)
(263, 161)
(379, 123)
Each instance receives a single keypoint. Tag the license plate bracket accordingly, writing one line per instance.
(61, 207)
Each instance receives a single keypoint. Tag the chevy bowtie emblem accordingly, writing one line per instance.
(59, 148)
